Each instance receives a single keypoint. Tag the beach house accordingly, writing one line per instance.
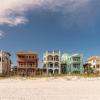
(5, 63)
(52, 62)
(27, 62)
(94, 62)
(72, 63)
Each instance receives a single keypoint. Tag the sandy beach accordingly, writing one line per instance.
(66, 88)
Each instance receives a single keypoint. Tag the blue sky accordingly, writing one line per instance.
(71, 26)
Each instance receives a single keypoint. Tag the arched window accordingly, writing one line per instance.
(56, 58)
(56, 71)
(50, 58)
(50, 64)
(56, 64)
(50, 71)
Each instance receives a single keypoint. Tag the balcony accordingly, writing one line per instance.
(53, 52)
(24, 67)
(53, 58)
(76, 61)
(56, 67)
(25, 60)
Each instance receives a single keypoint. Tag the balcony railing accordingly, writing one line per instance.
(76, 61)
(24, 67)
(25, 60)
(53, 51)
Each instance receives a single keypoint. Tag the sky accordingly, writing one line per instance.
(71, 26)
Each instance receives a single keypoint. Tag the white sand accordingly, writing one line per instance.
(67, 88)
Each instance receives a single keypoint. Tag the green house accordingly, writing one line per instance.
(72, 63)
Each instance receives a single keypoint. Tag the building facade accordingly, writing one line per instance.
(72, 63)
(5, 63)
(52, 62)
(94, 62)
(27, 63)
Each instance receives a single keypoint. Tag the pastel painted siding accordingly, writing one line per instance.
(73, 63)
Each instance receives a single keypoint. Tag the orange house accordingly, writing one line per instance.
(27, 63)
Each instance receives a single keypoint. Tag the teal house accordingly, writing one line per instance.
(72, 63)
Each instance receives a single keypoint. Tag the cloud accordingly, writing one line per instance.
(12, 12)
(2, 34)
(13, 21)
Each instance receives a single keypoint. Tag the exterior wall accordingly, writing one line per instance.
(73, 63)
(52, 62)
(5, 63)
(27, 63)
(0, 62)
(95, 63)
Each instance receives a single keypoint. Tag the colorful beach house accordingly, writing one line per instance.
(72, 63)
(27, 62)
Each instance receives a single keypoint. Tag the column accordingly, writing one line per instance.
(59, 62)
(46, 62)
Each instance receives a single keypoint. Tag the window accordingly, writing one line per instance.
(56, 58)
(76, 72)
(31, 65)
(50, 64)
(76, 65)
(26, 57)
(98, 61)
(76, 59)
(97, 66)
(30, 57)
(44, 65)
(50, 58)
(56, 64)
(21, 65)
(93, 66)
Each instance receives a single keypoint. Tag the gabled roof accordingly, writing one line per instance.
(93, 58)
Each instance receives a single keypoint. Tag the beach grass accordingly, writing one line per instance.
(54, 75)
